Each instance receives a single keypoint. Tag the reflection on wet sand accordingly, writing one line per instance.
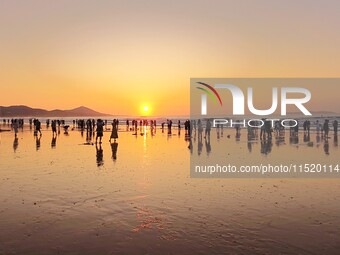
(266, 138)
(74, 196)
(114, 148)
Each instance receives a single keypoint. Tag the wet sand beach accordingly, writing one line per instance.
(137, 197)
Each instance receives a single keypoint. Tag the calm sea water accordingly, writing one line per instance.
(70, 196)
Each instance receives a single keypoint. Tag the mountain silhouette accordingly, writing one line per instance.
(25, 111)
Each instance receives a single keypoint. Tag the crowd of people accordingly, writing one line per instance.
(200, 128)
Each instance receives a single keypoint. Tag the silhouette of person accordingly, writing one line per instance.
(169, 127)
(38, 127)
(136, 126)
(88, 137)
(54, 127)
(114, 132)
(15, 127)
(100, 130)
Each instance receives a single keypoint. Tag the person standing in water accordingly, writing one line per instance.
(114, 132)
(100, 130)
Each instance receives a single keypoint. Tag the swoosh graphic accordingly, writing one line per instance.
(209, 93)
(213, 90)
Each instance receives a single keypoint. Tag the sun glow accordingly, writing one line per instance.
(145, 110)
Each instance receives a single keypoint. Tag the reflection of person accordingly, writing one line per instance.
(266, 146)
(190, 146)
(114, 148)
(306, 137)
(250, 147)
(207, 129)
(326, 147)
(54, 140)
(199, 146)
(99, 155)
(37, 142)
(200, 129)
(15, 143)
(15, 127)
(208, 146)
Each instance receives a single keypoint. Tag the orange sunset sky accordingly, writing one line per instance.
(119, 56)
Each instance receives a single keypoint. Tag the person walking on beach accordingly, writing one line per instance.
(38, 127)
(15, 127)
(335, 126)
(114, 132)
(100, 130)
(54, 127)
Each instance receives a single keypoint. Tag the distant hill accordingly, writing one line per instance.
(25, 111)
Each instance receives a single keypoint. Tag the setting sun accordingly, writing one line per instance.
(145, 110)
